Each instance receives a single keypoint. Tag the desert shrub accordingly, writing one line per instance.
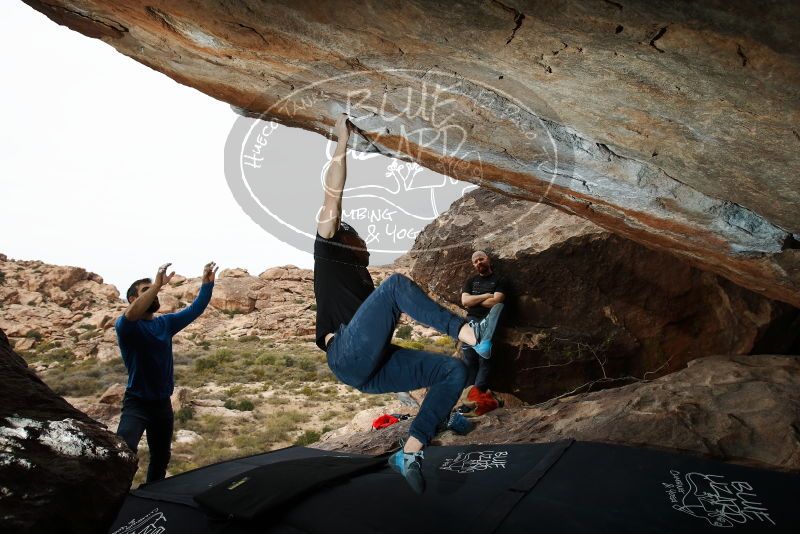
(313, 307)
(87, 326)
(2, 277)
(213, 361)
(307, 365)
(245, 339)
(244, 405)
(266, 359)
(203, 364)
(34, 334)
(404, 331)
(81, 379)
(443, 341)
(307, 437)
(89, 334)
(184, 414)
(48, 346)
(289, 361)
(330, 414)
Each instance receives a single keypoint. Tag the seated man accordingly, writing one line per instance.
(145, 342)
(355, 323)
(481, 293)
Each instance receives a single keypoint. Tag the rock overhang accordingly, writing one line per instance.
(673, 125)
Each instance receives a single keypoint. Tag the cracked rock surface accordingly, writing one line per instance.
(674, 125)
(60, 471)
(588, 309)
(743, 409)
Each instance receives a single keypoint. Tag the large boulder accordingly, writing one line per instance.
(588, 308)
(743, 409)
(60, 471)
(671, 123)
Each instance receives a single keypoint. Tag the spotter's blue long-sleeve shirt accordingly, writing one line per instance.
(146, 347)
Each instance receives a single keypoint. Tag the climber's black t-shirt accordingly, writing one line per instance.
(478, 285)
(341, 283)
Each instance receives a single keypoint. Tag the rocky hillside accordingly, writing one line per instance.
(673, 124)
(50, 308)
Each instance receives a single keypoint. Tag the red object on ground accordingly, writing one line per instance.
(485, 402)
(384, 421)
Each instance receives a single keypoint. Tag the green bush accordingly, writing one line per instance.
(313, 307)
(34, 334)
(245, 339)
(307, 365)
(404, 331)
(184, 414)
(443, 341)
(244, 405)
(203, 364)
(48, 346)
(266, 359)
(307, 437)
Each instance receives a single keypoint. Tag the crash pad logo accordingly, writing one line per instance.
(152, 523)
(473, 461)
(710, 497)
(277, 173)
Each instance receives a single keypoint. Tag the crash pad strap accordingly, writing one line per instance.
(494, 514)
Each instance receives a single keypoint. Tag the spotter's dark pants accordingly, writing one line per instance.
(155, 418)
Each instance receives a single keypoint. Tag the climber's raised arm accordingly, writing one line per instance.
(331, 212)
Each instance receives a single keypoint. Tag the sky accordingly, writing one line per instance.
(111, 166)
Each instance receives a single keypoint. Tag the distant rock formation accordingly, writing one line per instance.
(57, 308)
(588, 309)
(673, 124)
(59, 470)
(743, 409)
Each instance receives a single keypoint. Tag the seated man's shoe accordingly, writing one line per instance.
(409, 464)
(484, 330)
(459, 424)
(484, 349)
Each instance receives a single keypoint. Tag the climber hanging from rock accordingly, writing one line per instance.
(355, 323)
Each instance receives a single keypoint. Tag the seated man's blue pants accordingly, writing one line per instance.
(478, 369)
(361, 354)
